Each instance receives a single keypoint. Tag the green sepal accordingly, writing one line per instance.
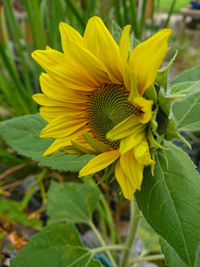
(151, 94)
(116, 31)
(133, 41)
(172, 133)
(108, 173)
(152, 141)
(83, 149)
(165, 101)
(153, 122)
(161, 78)
(153, 138)
(96, 144)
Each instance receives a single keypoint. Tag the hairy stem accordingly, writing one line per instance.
(132, 232)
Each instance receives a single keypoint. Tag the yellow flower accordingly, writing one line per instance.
(93, 98)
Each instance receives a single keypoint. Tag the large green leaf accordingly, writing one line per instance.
(74, 202)
(191, 75)
(171, 257)
(170, 201)
(22, 134)
(186, 111)
(58, 245)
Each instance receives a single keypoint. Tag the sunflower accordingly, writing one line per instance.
(93, 99)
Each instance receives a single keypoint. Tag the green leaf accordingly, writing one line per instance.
(116, 31)
(185, 87)
(186, 111)
(171, 257)
(74, 202)
(191, 75)
(57, 245)
(170, 201)
(162, 75)
(22, 134)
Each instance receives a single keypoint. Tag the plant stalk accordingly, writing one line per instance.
(135, 218)
(102, 242)
(147, 258)
(112, 247)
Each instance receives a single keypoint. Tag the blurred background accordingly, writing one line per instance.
(26, 25)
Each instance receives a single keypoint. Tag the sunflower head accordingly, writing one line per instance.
(93, 98)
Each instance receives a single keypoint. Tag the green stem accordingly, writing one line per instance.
(112, 247)
(102, 242)
(147, 258)
(114, 235)
(132, 232)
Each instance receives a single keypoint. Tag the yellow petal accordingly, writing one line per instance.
(132, 140)
(62, 127)
(145, 106)
(90, 62)
(61, 92)
(62, 143)
(51, 113)
(142, 154)
(100, 42)
(64, 70)
(56, 146)
(48, 101)
(69, 33)
(99, 162)
(132, 169)
(124, 45)
(127, 189)
(146, 59)
(133, 88)
(123, 129)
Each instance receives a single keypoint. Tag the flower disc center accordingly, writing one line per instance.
(108, 105)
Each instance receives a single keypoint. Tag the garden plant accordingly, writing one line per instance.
(104, 132)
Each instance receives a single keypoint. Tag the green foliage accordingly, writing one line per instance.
(57, 245)
(74, 202)
(191, 75)
(186, 109)
(170, 201)
(171, 257)
(116, 31)
(12, 212)
(22, 134)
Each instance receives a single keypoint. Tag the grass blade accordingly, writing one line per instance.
(14, 27)
(117, 12)
(134, 17)
(169, 14)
